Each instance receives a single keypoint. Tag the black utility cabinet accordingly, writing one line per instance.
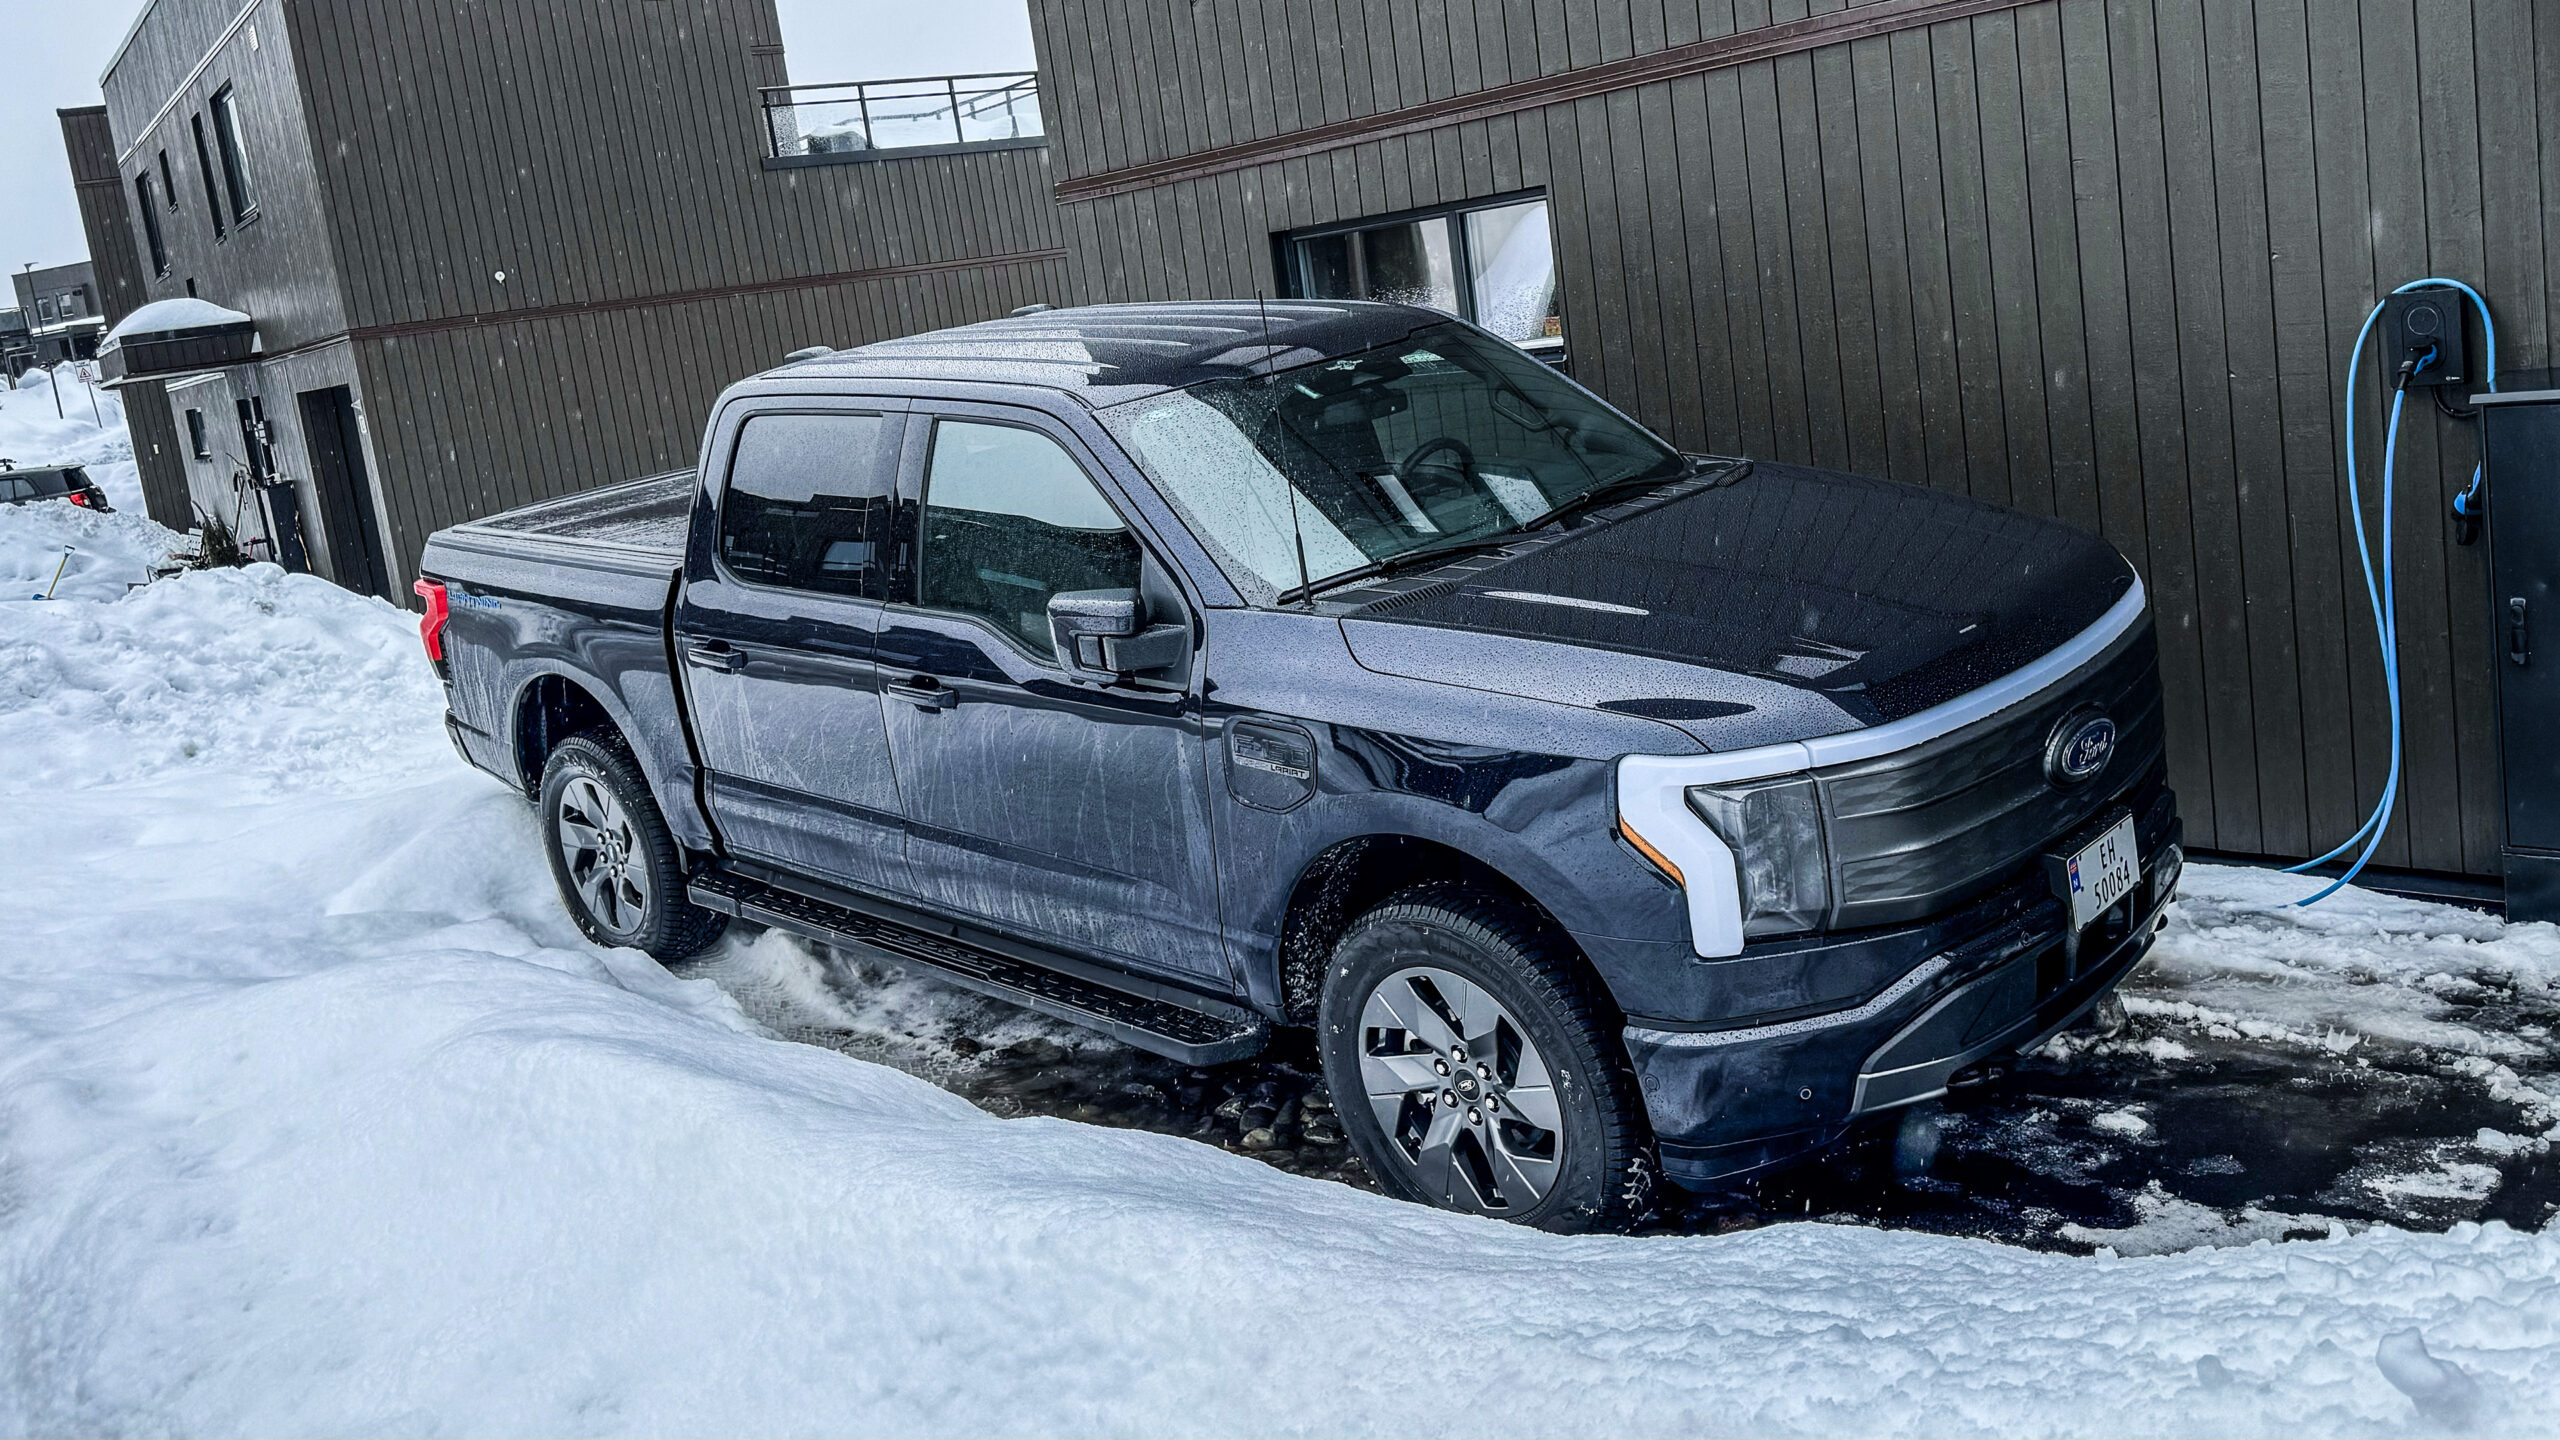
(2520, 448)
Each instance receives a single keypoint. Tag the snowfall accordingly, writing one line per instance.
(317, 1116)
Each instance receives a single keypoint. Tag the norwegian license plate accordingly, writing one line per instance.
(2101, 873)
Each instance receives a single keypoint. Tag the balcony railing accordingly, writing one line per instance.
(870, 117)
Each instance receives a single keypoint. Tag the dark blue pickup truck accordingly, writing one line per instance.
(1189, 670)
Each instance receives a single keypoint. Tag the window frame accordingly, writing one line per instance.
(154, 242)
(168, 182)
(204, 170)
(907, 577)
(199, 437)
(892, 417)
(1295, 270)
(233, 142)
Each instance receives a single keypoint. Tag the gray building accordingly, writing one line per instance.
(59, 314)
(2098, 258)
(490, 259)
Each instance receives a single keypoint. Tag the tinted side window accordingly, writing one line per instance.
(1009, 520)
(807, 503)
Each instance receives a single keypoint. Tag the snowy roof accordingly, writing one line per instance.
(184, 312)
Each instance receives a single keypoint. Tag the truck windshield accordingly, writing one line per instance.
(1445, 437)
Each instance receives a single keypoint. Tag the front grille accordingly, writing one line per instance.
(1922, 829)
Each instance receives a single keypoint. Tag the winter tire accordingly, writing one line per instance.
(1475, 1069)
(620, 874)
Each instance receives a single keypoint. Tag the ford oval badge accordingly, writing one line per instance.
(2080, 748)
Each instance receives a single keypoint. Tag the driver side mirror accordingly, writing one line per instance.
(1102, 635)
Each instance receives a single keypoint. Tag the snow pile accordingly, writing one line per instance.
(90, 431)
(317, 1116)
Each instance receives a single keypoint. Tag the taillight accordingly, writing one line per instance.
(80, 498)
(431, 629)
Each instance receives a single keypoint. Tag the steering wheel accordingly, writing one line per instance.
(1413, 458)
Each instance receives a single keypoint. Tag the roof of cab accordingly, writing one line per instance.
(1105, 354)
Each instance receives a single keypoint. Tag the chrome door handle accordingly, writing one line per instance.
(714, 655)
(923, 692)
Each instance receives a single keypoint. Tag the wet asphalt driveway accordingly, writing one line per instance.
(2192, 1125)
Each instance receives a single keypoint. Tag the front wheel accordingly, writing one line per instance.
(620, 874)
(1473, 1069)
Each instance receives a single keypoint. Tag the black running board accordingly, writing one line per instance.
(1194, 1029)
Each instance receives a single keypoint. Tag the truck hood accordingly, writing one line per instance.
(1782, 604)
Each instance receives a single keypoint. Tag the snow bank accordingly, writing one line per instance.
(317, 1116)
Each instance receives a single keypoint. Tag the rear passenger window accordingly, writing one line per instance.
(807, 503)
(1010, 520)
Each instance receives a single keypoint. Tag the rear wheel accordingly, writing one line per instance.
(1473, 1069)
(621, 876)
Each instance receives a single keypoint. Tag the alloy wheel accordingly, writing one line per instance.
(1464, 1097)
(603, 855)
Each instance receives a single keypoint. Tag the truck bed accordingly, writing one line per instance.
(644, 514)
(614, 549)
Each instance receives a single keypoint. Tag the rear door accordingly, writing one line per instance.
(774, 631)
(1066, 812)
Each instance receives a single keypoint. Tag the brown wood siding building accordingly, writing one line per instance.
(2102, 259)
(531, 239)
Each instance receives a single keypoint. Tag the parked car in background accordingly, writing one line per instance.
(1187, 670)
(50, 482)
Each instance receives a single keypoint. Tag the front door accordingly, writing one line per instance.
(774, 635)
(330, 435)
(1067, 813)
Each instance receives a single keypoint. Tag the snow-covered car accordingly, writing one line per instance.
(50, 482)
(1188, 670)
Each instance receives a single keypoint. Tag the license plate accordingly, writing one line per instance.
(2101, 873)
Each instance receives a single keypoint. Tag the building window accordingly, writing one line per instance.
(168, 183)
(1494, 264)
(150, 208)
(197, 444)
(235, 158)
(44, 307)
(204, 170)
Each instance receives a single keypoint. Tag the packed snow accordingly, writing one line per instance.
(317, 1115)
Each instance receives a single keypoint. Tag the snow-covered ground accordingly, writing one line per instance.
(89, 431)
(316, 1115)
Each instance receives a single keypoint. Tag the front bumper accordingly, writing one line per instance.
(2000, 978)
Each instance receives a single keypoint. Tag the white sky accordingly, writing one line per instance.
(55, 50)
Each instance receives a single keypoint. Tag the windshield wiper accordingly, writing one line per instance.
(1592, 498)
(1401, 560)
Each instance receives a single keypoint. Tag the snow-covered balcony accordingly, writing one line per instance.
(179, 336)
(893, 119)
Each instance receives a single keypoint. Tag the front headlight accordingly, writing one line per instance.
(1774, 828)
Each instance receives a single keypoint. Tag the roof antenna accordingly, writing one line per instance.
(1271, 379)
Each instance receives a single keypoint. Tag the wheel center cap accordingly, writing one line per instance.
(1467, 1086)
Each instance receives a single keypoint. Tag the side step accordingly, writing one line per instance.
(1194, 1029)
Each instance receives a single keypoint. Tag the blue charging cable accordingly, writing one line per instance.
(2386, 607)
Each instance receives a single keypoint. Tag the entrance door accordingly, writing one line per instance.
(345, 493)
(774, 630)
(1063, 812)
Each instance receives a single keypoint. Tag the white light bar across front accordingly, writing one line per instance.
(1653, 789)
